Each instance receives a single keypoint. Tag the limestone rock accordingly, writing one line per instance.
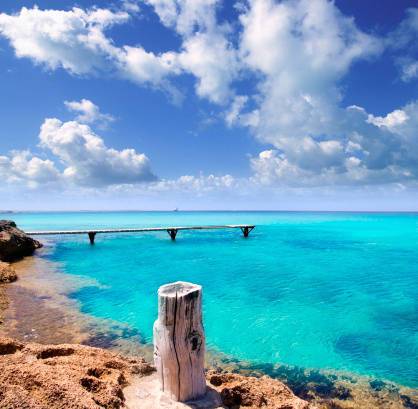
(7, 273)
(64, 376)
(15, 243)
(239, 391)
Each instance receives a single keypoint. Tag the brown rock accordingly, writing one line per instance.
(239, 391)
(7, 273)
(14, 243)
(64, 376)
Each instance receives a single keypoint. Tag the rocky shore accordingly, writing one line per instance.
(39, 376)
(15, 243)
(7, 273)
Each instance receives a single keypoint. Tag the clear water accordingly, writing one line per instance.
(316, 290)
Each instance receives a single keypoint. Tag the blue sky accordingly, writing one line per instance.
(208, 104)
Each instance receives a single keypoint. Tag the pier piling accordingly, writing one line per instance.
(172, 233)
(92, 235)
(246, 230)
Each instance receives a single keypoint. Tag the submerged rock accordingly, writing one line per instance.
(15, 243)
(7, 273)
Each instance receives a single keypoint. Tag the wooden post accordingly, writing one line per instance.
(172, 233)
(246, 230)
(92, 235)
(179, 341)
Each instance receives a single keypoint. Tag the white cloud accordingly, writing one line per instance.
(206, 51)
(22, 167)
(374, 150)
(186, 16)
(200, 184)
(78, 157)
(302, 48)
(88, 112)
(73, 40)
(391, 120)
(76, 41)
(87, 160)
(213, 61)
(293, 54)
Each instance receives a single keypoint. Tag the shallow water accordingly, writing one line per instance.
(315, 290)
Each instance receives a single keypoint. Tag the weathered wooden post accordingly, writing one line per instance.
(179, 341)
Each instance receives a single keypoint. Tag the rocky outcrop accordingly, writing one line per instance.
(239, 391)
(15, 243)
(73, 376)
(64, 376)
(7, 273)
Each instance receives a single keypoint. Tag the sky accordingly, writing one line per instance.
(209, 104)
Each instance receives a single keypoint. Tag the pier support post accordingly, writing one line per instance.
(246, 230)
(172, 233)
(92, 235)
(179, 341)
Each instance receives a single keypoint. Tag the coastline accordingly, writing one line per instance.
(36, 308)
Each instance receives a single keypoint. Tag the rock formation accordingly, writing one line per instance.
(239, 391)
(14, 243)
(64, 376)
(7, 273)
(73, 376)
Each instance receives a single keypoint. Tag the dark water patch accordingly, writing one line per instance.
(408, 402)
(377, 385)
(376, 355)
(108, 337)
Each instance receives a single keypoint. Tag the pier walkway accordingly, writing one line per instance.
(172, 231)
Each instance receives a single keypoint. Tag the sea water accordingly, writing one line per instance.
(316, 290)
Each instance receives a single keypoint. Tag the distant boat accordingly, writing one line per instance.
(176, 210)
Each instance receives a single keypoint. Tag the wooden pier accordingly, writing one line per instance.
(172, 231)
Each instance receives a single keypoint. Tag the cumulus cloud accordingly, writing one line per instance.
(374, 150)
(201, 55)
(78, 156)
(206, 51)
(391, 120)
(88, 112)
(293, 55)
(76, 41)
(73, 40)
(23, 167)
(302, 48)
(87, 160)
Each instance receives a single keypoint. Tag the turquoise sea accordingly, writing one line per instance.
(314, 290)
